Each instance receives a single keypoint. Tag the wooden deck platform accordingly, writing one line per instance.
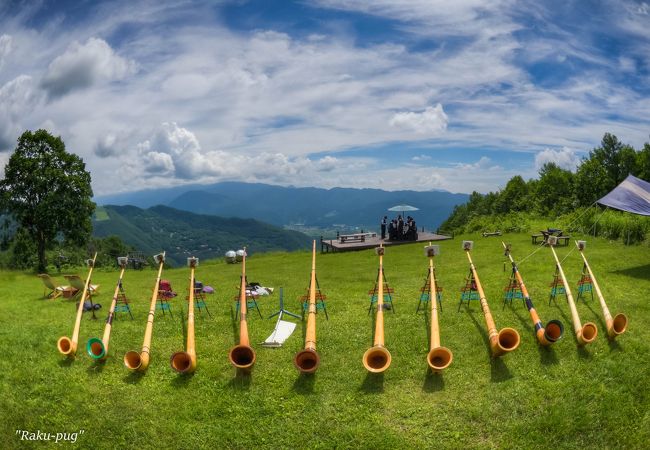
(334, 245)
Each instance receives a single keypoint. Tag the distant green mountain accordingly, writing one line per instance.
(312, 207)
(184, 234)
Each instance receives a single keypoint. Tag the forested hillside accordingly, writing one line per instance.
(184, 234)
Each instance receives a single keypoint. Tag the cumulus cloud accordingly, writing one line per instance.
(327, 164)
(430, 121)
(176, 150)
(5, 48)
(18, 98)
(108, 145)
(159, 163)
(564, 158)
(83, 65)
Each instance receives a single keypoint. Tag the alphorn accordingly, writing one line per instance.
(67, 346)
(584, 333)
(140, 361)
(618, 324)
(242, 355)
(503, 341)
(377, 358)
(438, 358)
(98, 348)
(308, 360)
(554, 328)
(185, 362)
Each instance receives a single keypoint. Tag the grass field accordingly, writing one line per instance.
(560, 397)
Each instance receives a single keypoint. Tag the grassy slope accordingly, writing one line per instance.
(533, 398)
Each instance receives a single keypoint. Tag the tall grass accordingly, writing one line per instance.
(610, 224)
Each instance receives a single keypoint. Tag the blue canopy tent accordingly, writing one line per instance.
(632, 195)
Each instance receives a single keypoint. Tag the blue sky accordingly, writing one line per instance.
(420, 94)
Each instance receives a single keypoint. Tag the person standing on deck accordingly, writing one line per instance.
(400, 228)
(383, 227)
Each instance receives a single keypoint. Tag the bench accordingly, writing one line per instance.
(565, 239)
(491, 233)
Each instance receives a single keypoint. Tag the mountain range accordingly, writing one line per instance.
(343, 208)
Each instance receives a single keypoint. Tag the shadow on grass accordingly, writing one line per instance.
(66, 362)
(304, 383)
(547, 354)
(433, 382)
(233, 321)
(241, 381)
(373, 383)
(614, 345)
(134, 377)
(479, 327)
(427, 324)
(182, 380)
(96, 367)
(642, 272)
(525, 323)
(374, 325)
(602, 325)
(498, 370)
(583, 353)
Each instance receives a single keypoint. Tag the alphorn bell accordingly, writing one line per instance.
(438, 358)
(584, 333)
(98, 348)
(140, 361)
(377, 358)
(67, 346)
(618, 324)
(308, 360)
(503, 341)
(242, 356)
(554, 328)
(185, 362)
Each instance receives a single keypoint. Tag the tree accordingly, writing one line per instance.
(47, 191)
(592, 182)
(513, 197)
(643, 162)
(554, 189)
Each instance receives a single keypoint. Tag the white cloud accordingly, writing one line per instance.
(159, 163)
(627, 64)
(564, 158)
(483, 164)
(430, 121)
(81, 66)
(5, 48)
(421, 158)
(18, 99)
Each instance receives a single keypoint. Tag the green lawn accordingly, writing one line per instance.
(562, 397)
